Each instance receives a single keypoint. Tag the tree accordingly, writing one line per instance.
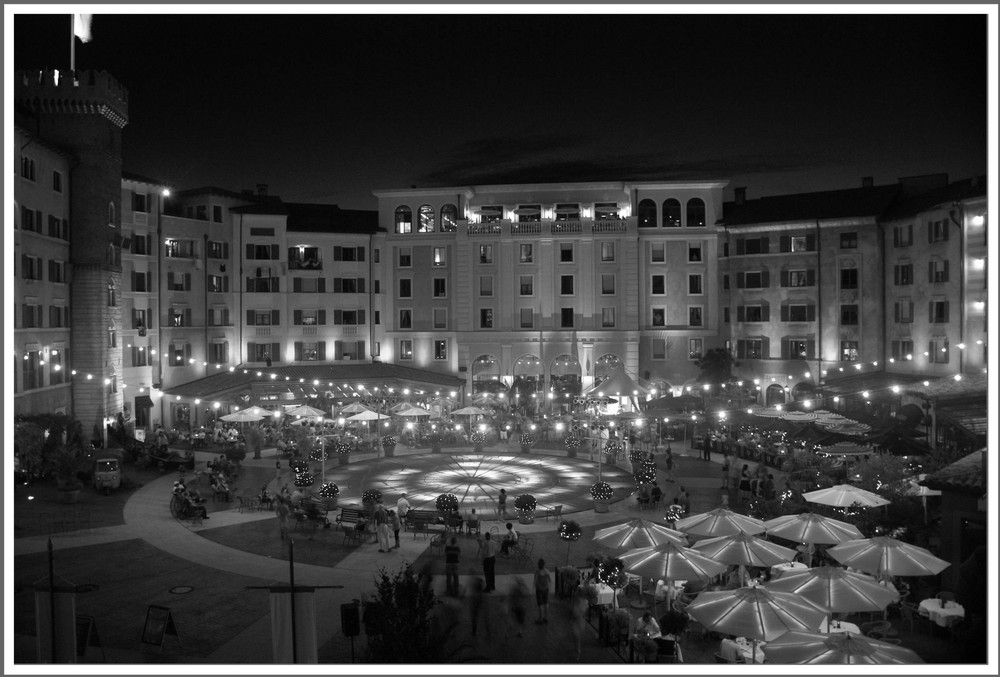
(716, 366)
(29, 439)
(398, 619)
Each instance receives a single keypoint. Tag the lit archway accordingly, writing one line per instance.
(775, 394)
(485, 373)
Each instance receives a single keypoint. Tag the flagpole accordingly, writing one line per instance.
(72, 45)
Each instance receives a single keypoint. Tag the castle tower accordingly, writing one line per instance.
(85, 117)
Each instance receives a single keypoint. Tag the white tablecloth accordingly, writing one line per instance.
(604, 594)
(746, 646)
(840, 626)
(779, 570)
(942, 615)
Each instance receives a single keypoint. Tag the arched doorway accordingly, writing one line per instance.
(775, 394)
(564, 376)
(485, 374)
(529, 382)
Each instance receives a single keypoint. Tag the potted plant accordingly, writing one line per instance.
(526, 441)
(319, 455)
(330, 492)
(601, 492)
(524, 506)
(389, 446)
(343, 450)
(569, 531)
(66, 465)
(611, 451)
(572, 443)
(304, 478)
(435, 440)
(369, 498)
(478, 440)
(446, 503)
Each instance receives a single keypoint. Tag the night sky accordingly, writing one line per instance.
(327, 108)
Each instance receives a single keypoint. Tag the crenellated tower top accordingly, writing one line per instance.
(58, 92)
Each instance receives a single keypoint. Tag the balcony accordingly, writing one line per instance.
(549, 227)
(305, 264)
(262, 331)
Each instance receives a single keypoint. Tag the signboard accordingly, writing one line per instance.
(159, 622)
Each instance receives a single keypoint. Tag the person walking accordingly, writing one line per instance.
(395, 525)
(382, 527)
(542, 580)
(502, 504)
(668, 462)
(489, 563)
(282, 510)
(452, 553)
(518, 603)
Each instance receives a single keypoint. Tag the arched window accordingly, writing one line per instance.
(426, 219)
(695, 212)
(449, 218)
(672, 213)
(112, 220)
(647, 214)
(404, 220)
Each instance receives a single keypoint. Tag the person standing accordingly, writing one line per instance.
(542, 580)
(668, 462)
(489, 563)
(394, 524)
(282, 510)
(451, 556)
(502, 504)
(382, 527)
(402, 506)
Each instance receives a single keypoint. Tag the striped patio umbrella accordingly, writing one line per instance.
(639, 533)
(836, 590)
(809, 527)
(745, 550)
(885, 556)
(720, 522)
(838, 648)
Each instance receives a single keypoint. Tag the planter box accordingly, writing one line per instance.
(69, 495)
(601, 505)
(528, 518)
(389, 451)
(343, 459)
(525, 450)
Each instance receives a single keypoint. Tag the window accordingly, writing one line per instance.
(140, 356)
(405, 318)
(938, 311)
(695, 212)
(725, 314)
(218, 250)
(440, 318)
(262, 232)
(607, 251)
(310, 351)
(567, 212)
(528, 213)
(566, 252)
(659, 285)
(179, 281)
(57, 271)
(485, 318)
(694, 284)
(527, 318)
(849, 351)
(426, 215)
(404, 220)
(31, 267)
(849, 314)
(937, 231)
(938, 271)
(217, 317)
(566, 285)
(314, 317)
(694, 252)
(179, 317)
(753, 245)
(440, 287)
(799, 243)
(217, 213)
(440, 256)
(304, 258)
(179, 354)
(848, 278)
(141, 245)
(491, 213)
(750, 314)
(263, 352)
(317, 285)
(798, 348)
(259, 252)
(58, 316)
(658, 348)
(263, 317)
(112, 296)
(218, 352)
(566, 317)
(646, 213)
(750, 349)
(405, 288)
(486, 253)
(938, 351)
(798, 278)
(902, 273)
(607, 317)
(753, 279)
(527, 285)
(902, 236)
(27, 168)
(56, 181)
(378, 317)
(449, 218)
(59, 229)
(798, 312)
(32, 371)
(671, 213)
(657, 252)
(262, 284)
(604, 211)
(346, 350)
(527, 253)
(440, 349)
(659, 317)
(694, 316)
(140, 202)
(695, 348)
(31, 315)
(901, 349)
(349, 254)
(607, 284)
(405, 257)
(31, 219)
(848, 240)
(725, 281)
(486, 286)
(903, 311)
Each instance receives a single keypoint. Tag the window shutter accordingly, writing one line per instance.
(296, 317)
(134, 276)
(765, 278)
(810, 243)
(321, 316)
(250, 317)
(741, 280)
(149, 281)
(187, 281)
(251, 352)
(298, 351)
(322, 285)
(930, 232)
(946, 278)
(338, 350)
(785, 243)
(274, 252)
(784, 313)
(930, 271)
(296, 284)
(338, 253)
(275, 317)
(361, 253)
(361, 316)
(764, 246)
(275, 349)
(765, 312)
(322, 350)
(911, 312)
(361, 285)
(895, 312)
(811, 277)
(250, 251)
(149, 318)
(810, 313)
(765, 348)
(741, 349)
(338, 316)
(170, 355)
(725, 281)
(338, 285)
(785, 349)
(946, 313)
(741, 314)
(740, 246)
(784, 278)
(895, 237)
(225, 317)
(810, 348)
(930, 311)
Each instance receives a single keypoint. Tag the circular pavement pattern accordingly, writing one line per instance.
(476, 479)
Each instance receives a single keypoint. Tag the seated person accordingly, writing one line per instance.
(646, 628)
(265, 497)
(509, 540)
(472, 522)
(193, 505)
(361, 525)
(730, 651)
(656, 494)
(220, 487)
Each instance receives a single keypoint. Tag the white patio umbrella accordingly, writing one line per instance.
(639, 533)
(720, 522)
(671, 563)
(810, 528)
(836, 648)
(243, 416)
(745, 550)
(844, 496)
(305, 410)
(354, 408)
(468, 411)
(884, 556)
(367, 415)
(413, 412)
(836, 590)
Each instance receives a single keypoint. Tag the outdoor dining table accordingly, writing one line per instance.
(840, 626)
(601, 594)
(942, 613)
(778, 570)
(747, 649)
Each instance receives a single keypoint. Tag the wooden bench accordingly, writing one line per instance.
(311, 514)
(423, 521)
(348, 521)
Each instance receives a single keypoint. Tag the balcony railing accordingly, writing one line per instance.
(263, 331)
(549, 227)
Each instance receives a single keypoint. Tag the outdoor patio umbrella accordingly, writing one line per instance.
(836, 648)
(367, 415)
(305, 410)
(745, 550)
(468, 411)
(354, 408)
(755, 613)
(884, 556)
(639, 533)
(671, 563)
(845, 495)
(835, 589)
(810, 528)
(413, 412)
(243, 416)
(814, 434)
(720, 522)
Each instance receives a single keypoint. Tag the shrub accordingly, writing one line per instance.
(329, 490)
(601, 491)
(371, 496)
(569, 530)
(478, 438)
(343, 448)
(527, 440)
(525, 502)
(446, 502)
(572, 442)
(388, 442)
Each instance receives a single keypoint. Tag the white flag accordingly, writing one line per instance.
(81, 26)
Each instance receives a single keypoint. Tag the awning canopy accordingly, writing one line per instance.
(873, 383)
(143, 402)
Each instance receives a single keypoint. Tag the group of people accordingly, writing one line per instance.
(193, 505)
